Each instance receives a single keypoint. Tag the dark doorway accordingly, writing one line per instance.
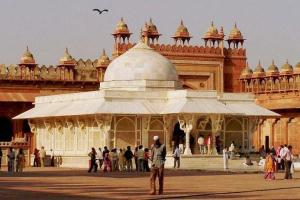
(6, 130)
(178, 135)
(267, 143)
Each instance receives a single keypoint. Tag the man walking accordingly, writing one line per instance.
(158, 157)
(287, 157)
(128, 156)
(11, 160)
(43, 156)
(141, 157)
(100, 157)
(176, 156)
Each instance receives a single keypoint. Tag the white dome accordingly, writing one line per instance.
(141, 63)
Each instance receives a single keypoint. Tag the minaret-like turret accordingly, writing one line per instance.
(235, 37)
(212, 36)
(27, 65)
(66, 66)
(182, 34)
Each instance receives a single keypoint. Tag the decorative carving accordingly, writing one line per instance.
(58, 124)
(48, 125)
(32, 125)
(69, 124)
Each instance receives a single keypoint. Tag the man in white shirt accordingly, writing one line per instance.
(201, 144)
(287, 156)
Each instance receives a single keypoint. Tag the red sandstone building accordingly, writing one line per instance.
(217, 64)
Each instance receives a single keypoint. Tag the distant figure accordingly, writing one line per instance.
(93, 164)
(176, 156)
(201, 144)
(261, 162)
(225, 158)
(136, 158)
(52, 158)
(99, 157)
(114, 160)
(106, 163)
(158, 157)
(11, 160)
(1, 155)
(141, 158)
(208, 144)
(20, 161)
(269, 167)
(248, 161)
(37, 160)
(146, 161)
(128, 156)
(262, 151)
(43, 156)
(105, 151)
(231, 150)
(122, 161)
(287, 157)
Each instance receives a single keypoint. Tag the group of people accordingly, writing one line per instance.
(122, 160)
(16, 161)
(279, 159)
(119, 159)
(40, 157)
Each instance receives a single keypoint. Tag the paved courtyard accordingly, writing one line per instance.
(59, 183)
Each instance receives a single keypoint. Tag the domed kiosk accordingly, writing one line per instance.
(139, 98)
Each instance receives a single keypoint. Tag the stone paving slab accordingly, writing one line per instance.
(62, 183)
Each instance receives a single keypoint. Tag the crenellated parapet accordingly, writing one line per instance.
(68, 69)
(186, 50)
(271, 80)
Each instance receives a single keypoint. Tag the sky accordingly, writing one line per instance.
(271, 27)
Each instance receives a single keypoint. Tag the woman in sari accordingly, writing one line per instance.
(20, 160)
(270, 167)
(106, 163)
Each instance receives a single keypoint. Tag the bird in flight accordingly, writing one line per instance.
(100, 11)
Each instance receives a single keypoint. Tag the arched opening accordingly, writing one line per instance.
(6, 129)
(178, 135)
(125, 133)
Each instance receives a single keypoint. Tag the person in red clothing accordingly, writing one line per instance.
(147, 157)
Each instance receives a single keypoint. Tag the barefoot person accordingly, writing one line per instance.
(158, 157)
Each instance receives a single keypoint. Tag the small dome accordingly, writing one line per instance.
(152, 27)
(235, 33)
(286, 68)
(297, 68)
(273, 67)
(247, 72)
(140, 67)
(259, 70)
(122, 27)
(67, 59)
(212, 31)
(182, 31)
(103, 60)
(27, 57)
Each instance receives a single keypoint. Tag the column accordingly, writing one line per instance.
(186, 123)
(216, 125)
(167, 122)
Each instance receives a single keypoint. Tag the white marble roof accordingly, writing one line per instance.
(143, 103)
